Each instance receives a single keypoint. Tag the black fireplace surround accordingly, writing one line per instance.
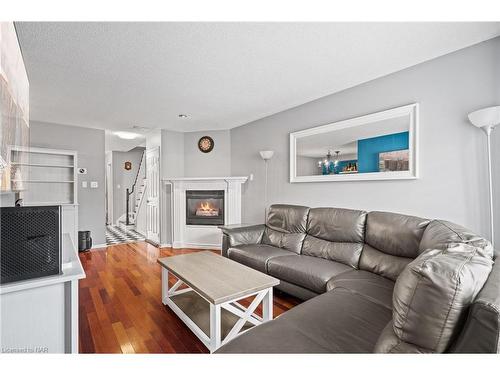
(205, 207)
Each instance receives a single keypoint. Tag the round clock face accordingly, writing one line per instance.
(206, 144)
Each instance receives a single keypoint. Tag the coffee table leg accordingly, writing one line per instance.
(164, 285)
(267, 306)
(215, 327)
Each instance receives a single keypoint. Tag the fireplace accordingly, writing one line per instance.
(205, 207)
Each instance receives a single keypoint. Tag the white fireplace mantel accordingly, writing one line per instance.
(202, 236)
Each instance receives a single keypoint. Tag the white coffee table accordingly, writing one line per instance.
(207, 292)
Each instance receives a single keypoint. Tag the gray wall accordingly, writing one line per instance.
(180, 157)
(213, 164)
(123, 179)
(90, 146)
(172, 165)
(452, 152)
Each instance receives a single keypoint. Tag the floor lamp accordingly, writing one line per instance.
(266, 156)
(487, 119)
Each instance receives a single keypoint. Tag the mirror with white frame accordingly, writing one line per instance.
(378, 146)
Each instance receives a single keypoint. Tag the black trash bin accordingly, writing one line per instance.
(84, 240)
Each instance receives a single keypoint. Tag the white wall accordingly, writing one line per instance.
(452, 152)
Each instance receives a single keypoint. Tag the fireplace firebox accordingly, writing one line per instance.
(205, 207)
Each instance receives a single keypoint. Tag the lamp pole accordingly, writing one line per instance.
(265, 191)
(266, 156)
(487, 119)
(488, 130)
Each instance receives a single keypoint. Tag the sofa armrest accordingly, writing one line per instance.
(241, 234)
(481, 333)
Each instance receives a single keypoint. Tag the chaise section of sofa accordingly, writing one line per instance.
(373, 282)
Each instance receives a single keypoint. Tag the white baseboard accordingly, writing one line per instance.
(190, 245)
(165, 245)
(99, 246)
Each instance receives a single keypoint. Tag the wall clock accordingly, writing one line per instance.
(206, 144)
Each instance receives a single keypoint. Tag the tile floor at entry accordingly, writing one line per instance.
(116, 235)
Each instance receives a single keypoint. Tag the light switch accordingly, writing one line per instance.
(84, 184)
(94, 185)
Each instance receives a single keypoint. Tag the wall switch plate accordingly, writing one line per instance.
(94, 185)
(251, 177)
(84, 184)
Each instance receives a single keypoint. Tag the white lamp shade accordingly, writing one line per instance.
(266, 155)
(486, 117)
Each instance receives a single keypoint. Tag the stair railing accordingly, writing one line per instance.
(130, 191)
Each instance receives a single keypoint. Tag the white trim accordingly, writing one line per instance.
(99, 246)
(202, 236)
(199, 246)
(164, 244)
(413, 173)
(238, 178)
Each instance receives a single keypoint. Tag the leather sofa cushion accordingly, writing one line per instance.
(334, 322)
(440, 234)
(251, 234)
(337, 224)
(376, 288)
(286, 227)
(383, 264)
(305, 271)
(434, 292)
(287, 218)
(343, 252)
(395, 234)
(388, 342)
(335, 234)
(295, 290)
(481, 333)
(255, 256)
(288, 241)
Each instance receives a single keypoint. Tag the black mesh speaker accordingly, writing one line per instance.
(30, 242)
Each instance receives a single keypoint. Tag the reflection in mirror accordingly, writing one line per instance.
(378, 146)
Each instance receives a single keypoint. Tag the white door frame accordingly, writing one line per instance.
(109, 188)
(153, 186)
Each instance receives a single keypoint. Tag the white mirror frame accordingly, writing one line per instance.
(412, 173)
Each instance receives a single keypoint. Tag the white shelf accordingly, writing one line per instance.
(44, 165)
(44, 181)
(50, 204)
(46, 175)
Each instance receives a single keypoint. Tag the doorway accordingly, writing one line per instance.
(153, 196)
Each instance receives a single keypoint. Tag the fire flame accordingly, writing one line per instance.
(206, 206)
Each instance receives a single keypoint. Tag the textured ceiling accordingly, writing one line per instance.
(117, 75)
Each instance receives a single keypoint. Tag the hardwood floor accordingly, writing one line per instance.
(120, 307)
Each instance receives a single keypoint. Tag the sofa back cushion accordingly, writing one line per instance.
(392, 241)
(433, 293)
(335, 234)
(440, 234)
(286, 227)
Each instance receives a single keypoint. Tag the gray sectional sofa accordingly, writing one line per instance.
(372, 282)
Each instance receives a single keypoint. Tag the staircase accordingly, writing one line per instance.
(134, 200)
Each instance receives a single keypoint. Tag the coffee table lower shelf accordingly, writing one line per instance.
(215, 324)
